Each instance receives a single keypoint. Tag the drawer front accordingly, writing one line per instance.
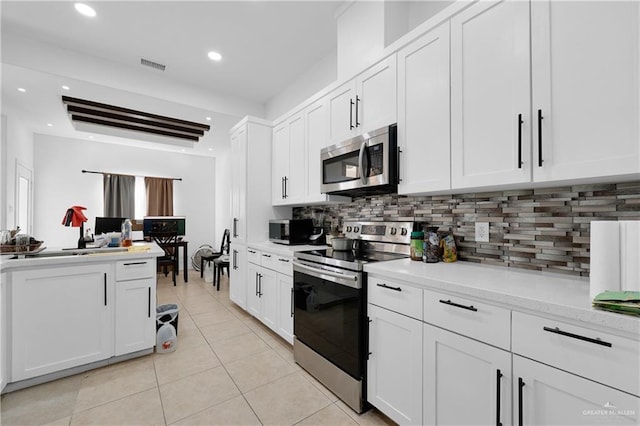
(604, 358)
(278, 263)
(253, 255)
(397, 297)
(135, 269)
(486, 323)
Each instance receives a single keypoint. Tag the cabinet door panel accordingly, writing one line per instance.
(317, 138)
(394, 368)
(238, 275)
(285, 307)
(586, 82)
(460, 372)
(135, 315)
(377, 96)
(295, 183)
(423, 114)
(268, 294)
(341, 112)
(553, 397)
(490, 83)
(253, 297)
(61, 318)
(239, 186)
(280, 162)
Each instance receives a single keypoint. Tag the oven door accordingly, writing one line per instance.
(357, 163)
(329, 314)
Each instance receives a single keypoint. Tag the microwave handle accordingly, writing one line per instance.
(363, 175)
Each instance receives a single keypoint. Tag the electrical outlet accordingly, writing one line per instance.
(482, 232)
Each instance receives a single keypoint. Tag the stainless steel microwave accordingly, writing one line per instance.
(290, 231)
(363, 165)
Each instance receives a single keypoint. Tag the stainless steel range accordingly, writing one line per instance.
(331, 333)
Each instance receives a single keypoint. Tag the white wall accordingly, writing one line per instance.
(316, 78)
(59, 184)
(420, 11)
(18, 148)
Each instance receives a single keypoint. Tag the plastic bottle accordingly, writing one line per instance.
(416, 245)
(127, 233)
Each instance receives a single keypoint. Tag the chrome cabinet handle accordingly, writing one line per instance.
(363, 176)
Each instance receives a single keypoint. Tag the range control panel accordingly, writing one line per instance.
(387, 232)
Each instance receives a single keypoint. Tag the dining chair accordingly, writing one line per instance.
(224, 249)
(168, 241)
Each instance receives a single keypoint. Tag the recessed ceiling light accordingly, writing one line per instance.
(85, 10)
(22, 89)
(90, 136)
(214, 56)
(49, 125)
(208, 118)
(210, 149)
(64, 87)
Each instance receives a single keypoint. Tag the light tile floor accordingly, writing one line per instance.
(228, 369)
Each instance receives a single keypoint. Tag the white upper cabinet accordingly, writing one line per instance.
(490, 100)
(423, 113)
(585, 76)
(288, 159)
(365, 103)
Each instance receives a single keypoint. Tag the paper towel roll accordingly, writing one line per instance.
(605, 257)
(630, 255)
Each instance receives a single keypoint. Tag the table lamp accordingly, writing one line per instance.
(75, 218)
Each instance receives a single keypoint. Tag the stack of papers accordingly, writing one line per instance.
(624, 302)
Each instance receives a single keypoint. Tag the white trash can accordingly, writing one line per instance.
(167, 328)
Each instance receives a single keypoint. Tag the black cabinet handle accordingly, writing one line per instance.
(259, 285)
(252, 251)
(266, 255)
(389, 287)
(256, 284)
(351, 126)
(235, 227)
(282, 187)
(457, 305)
(540, 137)
(283, 260)
(135, 263)
(520, 386)
(498, 381)
(285, 187)
(149, 310)
(292, 307)
(235, 259)
(105, 289)
(357, 102)
(368, 340)
(398, 165)
(597, 341)
(520, 141)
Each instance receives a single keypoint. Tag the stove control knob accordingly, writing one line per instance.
(404, 231)
(393, 231)
(356, 229)
(348, 229)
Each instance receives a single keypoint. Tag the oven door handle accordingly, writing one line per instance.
(350, 280)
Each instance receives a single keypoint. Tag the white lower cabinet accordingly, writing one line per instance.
(461, 372)
(135, 315)
(394, 367)
(269, 288)
(544, 395)
(61, 318)
(238, 275)
(285, 307)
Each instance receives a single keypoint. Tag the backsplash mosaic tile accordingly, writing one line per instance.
(538, 229)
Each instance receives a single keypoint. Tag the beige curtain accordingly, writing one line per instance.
(159, 196)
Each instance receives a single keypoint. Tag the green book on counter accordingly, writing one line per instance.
(624, 302)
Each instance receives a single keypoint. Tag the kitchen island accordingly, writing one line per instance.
(68, 311)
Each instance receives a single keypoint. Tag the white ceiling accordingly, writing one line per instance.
(265, 46)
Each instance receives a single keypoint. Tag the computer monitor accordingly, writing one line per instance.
(164, 224)
(105, 225)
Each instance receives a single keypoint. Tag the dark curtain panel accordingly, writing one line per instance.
(159, 196)
(119, 195)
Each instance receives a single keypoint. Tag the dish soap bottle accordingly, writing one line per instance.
(126, 233)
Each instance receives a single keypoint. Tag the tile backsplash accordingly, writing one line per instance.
(538, 229)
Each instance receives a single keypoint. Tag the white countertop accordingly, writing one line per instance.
(535, 292)
(58, 256)
(283, 249)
